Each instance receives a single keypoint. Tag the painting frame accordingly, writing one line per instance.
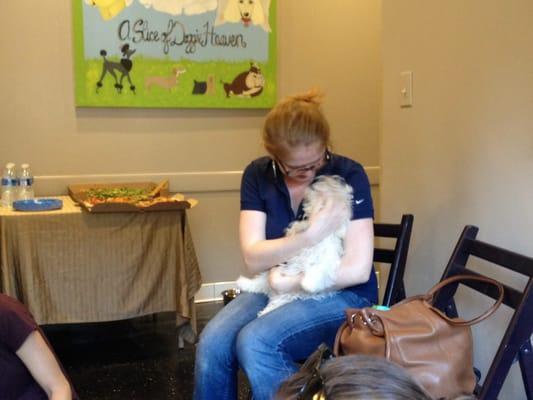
(118, 71)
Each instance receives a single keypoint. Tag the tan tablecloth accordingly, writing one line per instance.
(72, 266)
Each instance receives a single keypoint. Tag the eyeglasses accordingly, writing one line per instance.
(312, 389)
(288, 171)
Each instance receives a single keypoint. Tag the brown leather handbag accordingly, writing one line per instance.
(435, 349)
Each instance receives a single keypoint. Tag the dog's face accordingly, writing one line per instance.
(246, 9)
(127, 52)
(255, 80)
(328, 187)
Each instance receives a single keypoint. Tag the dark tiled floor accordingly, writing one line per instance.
(135, 359)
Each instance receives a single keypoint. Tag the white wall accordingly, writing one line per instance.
(463, 154)
(39, 123)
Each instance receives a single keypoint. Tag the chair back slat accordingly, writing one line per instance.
(497, 255)
(511, 297)
(383, 255)
(387, 230)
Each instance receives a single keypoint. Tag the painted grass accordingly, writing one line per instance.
(178, 96)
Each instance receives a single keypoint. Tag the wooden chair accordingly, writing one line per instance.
(396, 257)
(516, 342)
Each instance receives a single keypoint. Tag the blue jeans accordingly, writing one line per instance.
(266, 348)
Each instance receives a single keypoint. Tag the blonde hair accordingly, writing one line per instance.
(295, 120)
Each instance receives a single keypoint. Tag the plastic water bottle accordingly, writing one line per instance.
(25, 182)
(9, 185)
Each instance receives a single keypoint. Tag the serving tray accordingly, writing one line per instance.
(163, 201)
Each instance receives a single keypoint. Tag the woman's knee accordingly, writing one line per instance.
(251, 343)
(214, 347)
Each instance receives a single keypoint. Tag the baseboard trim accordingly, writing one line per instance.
(212, 291)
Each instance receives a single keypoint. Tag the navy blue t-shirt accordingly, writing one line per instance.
(263, 189)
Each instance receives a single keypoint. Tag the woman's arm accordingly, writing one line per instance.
(43, 366)
(261, 254)
(356, 263)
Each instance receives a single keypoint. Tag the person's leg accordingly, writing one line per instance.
(268, 347)
(216, 366)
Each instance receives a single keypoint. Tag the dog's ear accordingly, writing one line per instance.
(221, 9)
(258, 13)
(232, 13)
(264, 7)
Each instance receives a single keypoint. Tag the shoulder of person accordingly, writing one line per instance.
(11, 309)
(16, 322)
(260, 163)
(258, 168)
(346, 166)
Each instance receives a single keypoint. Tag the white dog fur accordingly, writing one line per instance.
(318, 263)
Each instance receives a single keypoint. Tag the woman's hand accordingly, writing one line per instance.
(283, 283)
(324, 222)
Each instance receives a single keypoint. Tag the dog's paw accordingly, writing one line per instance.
(312, 285)
(255, 285)
(308, 284)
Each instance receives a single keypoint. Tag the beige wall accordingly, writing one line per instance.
(334, 45)
(463, 154)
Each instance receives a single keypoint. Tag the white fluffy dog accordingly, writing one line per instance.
(318, 263)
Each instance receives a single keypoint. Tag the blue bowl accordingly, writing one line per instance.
(37, 204)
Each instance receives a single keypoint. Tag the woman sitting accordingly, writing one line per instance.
(29, 368)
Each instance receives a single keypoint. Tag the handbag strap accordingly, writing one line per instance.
(337, 348)
(456, 278)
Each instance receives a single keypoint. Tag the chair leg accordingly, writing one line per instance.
(516, 342)
(525, 357)
(399, 295)
(451, 309)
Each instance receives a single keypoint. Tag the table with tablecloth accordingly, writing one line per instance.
(72, 266)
